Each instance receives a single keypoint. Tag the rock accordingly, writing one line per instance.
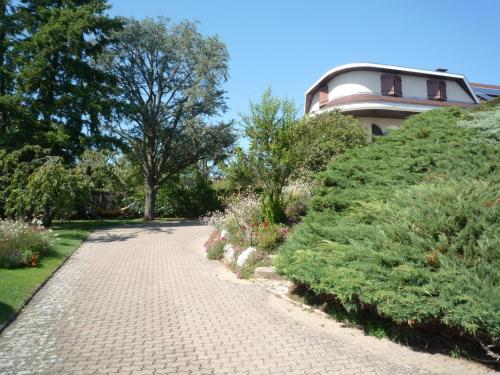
(245, 255)
(267, 273)
(223, 235)
(229, 253)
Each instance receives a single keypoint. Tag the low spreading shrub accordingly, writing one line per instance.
(408, 227)
(22, 244)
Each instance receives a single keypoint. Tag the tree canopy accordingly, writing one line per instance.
(170, 83)
(64, 94)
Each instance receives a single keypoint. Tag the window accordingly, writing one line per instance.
(391, 85)
(323, 95)
(377, 131)
(436, 89)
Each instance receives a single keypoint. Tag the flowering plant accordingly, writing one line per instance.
(21, 244)
(240, 220)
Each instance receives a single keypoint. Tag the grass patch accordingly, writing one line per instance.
(17, 285)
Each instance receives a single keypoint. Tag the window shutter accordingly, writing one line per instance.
(442, 90)
(387, 84)
(436, 89)
(391, 85)
(323, 95)
(398, 87)
(433, 89)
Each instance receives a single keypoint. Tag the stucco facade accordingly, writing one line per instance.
(383, 123)
(363, 91)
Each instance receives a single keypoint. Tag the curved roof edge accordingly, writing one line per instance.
(382, 67)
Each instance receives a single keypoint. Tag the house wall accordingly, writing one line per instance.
(368, 82)
(383, 123)
(314, 103)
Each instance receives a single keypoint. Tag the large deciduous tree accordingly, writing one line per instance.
(170, 79)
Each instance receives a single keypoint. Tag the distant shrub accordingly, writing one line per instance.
(22, 244)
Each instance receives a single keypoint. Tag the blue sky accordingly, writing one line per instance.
(289, 44)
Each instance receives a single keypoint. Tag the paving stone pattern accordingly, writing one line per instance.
(145, 300)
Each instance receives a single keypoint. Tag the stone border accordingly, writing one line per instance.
(265, 284)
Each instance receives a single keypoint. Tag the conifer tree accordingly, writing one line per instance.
(66, 93)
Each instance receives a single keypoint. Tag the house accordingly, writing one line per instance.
(382, 96)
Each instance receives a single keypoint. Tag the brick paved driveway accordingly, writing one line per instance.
(145, 300)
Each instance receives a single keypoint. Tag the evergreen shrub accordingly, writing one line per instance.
(409, 226)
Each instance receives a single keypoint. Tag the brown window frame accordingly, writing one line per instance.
(391, 85)
(436, 89)
(323, 95)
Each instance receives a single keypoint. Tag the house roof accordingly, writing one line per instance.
(461, 80)
(486, 92)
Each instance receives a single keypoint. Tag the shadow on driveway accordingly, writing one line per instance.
(104, 236)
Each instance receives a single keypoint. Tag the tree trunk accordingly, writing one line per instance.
(47, 217)
(149, 204)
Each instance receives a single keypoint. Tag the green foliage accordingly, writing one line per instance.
(9, 102)
(270, 236)
(52, 191)
(167, 97)
(101, 171)
(283, 148)
(20, 244)
(188, 195)
(271, 127)
(486, 122)
(15, 168)
(257, 259)
(19, 284)
(58, 80)
(48, 191)
(238, 173)
(409, 226)
(216, 251)
(323, 138)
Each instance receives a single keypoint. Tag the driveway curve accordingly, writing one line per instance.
(144, 299)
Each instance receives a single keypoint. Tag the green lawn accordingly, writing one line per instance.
(16, 285)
